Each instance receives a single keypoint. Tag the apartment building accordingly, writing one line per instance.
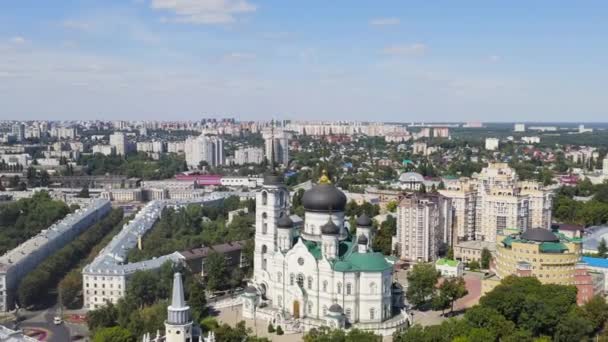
(424, 225)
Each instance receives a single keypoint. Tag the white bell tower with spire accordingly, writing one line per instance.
(178, 326)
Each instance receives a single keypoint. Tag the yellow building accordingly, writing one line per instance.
(549, 256)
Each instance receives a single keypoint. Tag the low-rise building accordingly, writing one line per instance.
(471, 250)
(547, 255)
(449, 267)
(232, 252)
(18, 262)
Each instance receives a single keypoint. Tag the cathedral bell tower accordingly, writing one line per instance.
(178, 326)
(272, 203)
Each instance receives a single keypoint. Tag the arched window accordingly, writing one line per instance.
(301, 280)
(325, 286)
(349, 288)
(264, 264)
(291, 279)
(310, 308)
(324, 310)
(281, 198)
(264, 198)
(310, 283)
(264, 249)
(372, 313)
(264, 223)
(372, 288)
(339, 288)
(279, 276)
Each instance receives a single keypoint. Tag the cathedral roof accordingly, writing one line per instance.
(324, 197)
(362, 240)
(330, 228)
(284, 222)
(335, 308)
(349, 260)
(364, 221)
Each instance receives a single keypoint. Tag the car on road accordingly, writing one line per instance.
(57, 320)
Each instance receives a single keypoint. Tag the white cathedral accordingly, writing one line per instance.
(321, 274)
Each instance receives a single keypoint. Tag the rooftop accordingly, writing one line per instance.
(447, 262)
(20, 252)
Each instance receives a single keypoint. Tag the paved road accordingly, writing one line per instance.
(42, 324)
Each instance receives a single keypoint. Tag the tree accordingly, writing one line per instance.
(574, 326)
(452, 289)
(474, 265)
(450, 254)
(84, 193)
(197, 299)
(215, 271)
(113, 334)
(143, 288)
(44, 178)
(602, 249)
(421, 282)
(596, 311)
(279, 330)
(391, 206)
(326, 334)
(486, 257)
(69, 290)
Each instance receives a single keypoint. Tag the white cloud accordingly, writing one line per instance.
(416, 49)
(18, 40)
(384, 21)
(204, 11)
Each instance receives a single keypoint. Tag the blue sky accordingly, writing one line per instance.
(254, 59)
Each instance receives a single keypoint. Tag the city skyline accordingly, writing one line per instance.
(255, 60)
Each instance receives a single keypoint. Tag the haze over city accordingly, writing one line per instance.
(316, 171)
(251, 59)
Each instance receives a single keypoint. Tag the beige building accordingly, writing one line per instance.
(549, 256)
(423, 225)
(494, 200)
(468, 251)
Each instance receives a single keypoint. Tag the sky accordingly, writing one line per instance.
(375, 60)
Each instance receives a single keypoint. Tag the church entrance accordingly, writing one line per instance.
(296, 309)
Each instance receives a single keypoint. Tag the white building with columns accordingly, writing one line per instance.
(323, 274)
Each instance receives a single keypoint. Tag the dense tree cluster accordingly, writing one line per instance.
(134, 165)
(519, 310)
(144, 308)
(26, 217)
(383, 240)
(194, 226)
(36, 285)
(326, 334)
(568, 210)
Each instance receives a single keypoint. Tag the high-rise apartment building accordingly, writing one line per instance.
(494, 200)
(18, 131)
(277, 141)
(204, 148)
(248, 155)
(424, 224)
(118, 140)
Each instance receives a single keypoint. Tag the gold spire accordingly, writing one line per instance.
(324, 178)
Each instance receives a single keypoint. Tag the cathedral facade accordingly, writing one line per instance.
(322, 273)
